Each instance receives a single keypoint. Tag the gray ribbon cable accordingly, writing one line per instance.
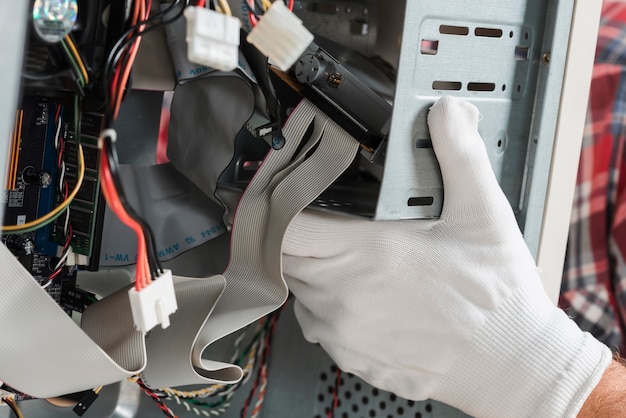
(44, 353)
(62, 358)
(284, 185)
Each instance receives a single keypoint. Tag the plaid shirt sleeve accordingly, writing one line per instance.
(593, 290)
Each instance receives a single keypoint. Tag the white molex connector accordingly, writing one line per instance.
(73, 259)
(5, 394)
(154, 304)
(281, 36)
(212, 38)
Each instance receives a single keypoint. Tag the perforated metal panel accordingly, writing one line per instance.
(507, 58)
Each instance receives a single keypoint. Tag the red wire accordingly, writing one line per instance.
(333, 407)
(263, 385)
(61, 149)
(168, 412)
(144, 11)
(291, 5)
(141, 12)
(118, 70)
(55, 274)
(68, 240)
(251, 17)
(70, 231)
(262, 373)
(253, 20)
(201, 3)
(113, 199)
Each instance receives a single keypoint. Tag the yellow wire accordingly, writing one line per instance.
(214, 388)
(18, 411)
(97, 390)
(37, 222)
(266, 4)
(79, 60)
(225, 7)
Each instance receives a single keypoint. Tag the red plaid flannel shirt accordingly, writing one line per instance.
(593, 291)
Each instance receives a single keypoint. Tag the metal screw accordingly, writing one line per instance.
(545, 58)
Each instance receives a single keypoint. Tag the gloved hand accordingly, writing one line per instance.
(450, 309)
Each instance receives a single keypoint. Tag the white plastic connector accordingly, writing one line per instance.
(73, 259)
(212, 38)
(281, 36)
(154, 304)
(5, 394)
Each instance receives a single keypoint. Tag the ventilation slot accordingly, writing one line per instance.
(447, 85)
(481, 86)
(488, 32)
(421, 201)
(521, 53)
(428, 47)
(423, 143)
(454, 30)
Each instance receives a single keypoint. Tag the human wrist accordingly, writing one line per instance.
(607, 398)
(527, 359)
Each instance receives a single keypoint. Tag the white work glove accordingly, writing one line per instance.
(450, 309)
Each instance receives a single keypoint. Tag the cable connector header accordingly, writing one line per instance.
(154, 303)
(212, 38)
(281, 36)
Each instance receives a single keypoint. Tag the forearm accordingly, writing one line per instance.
(608, 399)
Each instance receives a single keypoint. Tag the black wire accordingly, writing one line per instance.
(250, 10)
(136, 27)
(12, 406)
(164, 408)
(262, 335)
(153, 258)
(264, 359)
(259, 5)
(128, 38)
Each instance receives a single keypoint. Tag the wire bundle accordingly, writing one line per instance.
(75, 59)
(256, 8)
(253, 357)
(122, 56)
(148, 264)
(13, 406)
(166, 410)
(222, 6)
(62, 183)
(260, 383)
(119, 80)
(190, 400)
(116, 77)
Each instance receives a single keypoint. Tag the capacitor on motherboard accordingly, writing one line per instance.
(35, 177)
